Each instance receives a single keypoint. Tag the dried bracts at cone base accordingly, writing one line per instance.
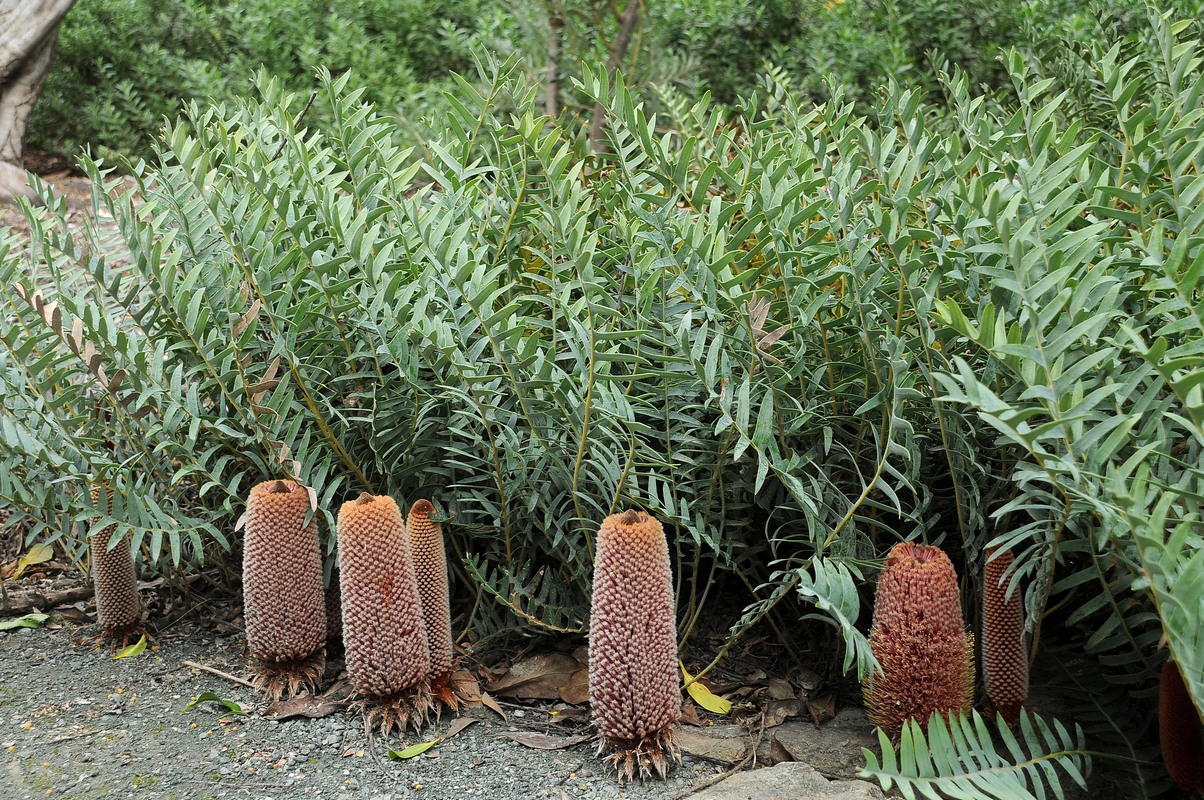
(284, 605)
(634, 688)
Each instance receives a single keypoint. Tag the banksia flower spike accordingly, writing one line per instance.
(384, 635)
(919, 639)
(430, 571)
(118, 608)
(1180, 731)
(1004, 657)
(283, 603)
(634, 687)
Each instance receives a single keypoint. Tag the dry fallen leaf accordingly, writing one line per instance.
(488, 701)
(780, 689)
(465, 687)
(542, 741)
(821, 708)
(306, 705)
(689, 716)
(539, 677)
(457, 726)
(778, 752)
(576, 691)
(778, 711)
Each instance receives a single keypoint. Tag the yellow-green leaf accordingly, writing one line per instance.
(38, 554)
(132, 650)
(412, 750)
(704, 696)
(27, 621)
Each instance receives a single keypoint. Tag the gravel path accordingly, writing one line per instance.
(74, 723)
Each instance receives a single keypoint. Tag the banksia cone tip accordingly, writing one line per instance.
(118, 609)
(1180, 731)
(918, 637)
(1004, 657)
(634, 687)
(384, 635)
(430, 570)
(283, 603)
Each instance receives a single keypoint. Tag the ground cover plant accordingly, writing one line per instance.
(795, 334)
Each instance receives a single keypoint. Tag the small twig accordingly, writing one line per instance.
(218, 673)
(296, 122)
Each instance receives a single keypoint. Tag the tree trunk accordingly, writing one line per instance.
(29, 32)
(555, 37)
(618, 52)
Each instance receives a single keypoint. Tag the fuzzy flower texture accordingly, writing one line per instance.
(633, 681)
(919, 639)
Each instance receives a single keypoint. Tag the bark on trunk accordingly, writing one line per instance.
(618, 52)
(29, 31)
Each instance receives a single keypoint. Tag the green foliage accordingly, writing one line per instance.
(795, 333)
(959, 759)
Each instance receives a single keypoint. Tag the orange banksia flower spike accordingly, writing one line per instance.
(118, 607)
(283, 602)
(1180, 731)
(384, 634)
(1004, 656)
(919, 638)
(634, 688)
(430, 571)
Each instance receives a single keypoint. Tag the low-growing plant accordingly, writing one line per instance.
(796, 334)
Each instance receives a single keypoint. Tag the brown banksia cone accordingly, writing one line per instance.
(634, 688)
(919, 639)
(430, 571)
(118, 607)
(1004, 656)
(384, 634)
(283, 602)
(1180, 731)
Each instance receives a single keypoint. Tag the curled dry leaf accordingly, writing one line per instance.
(822, 708)
(542, 741)
(576, 691)
(539, 677)
(491, 704)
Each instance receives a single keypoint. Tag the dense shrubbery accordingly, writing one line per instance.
(796, 334)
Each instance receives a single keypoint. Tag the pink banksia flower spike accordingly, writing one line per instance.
(1004, 656)
(384, 634)
(1180, 732)
(918, 637)
(634, 687)
(430, 571)
(114, 581)
(283, 602)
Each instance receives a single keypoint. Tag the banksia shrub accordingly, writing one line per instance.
(118, 608)
(1004, 657)
(634, 687)
(1180, 731)
(430, 571)
(384, 635)
(919, 639)
(283, 602)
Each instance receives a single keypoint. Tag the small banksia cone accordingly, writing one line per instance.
(430, 571)
(1004, 657)
(283, 603)
(384, 635)
(118, 608)
(1180, 731)
(634, 687)
(919, 639)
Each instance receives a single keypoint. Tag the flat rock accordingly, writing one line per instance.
(724, 744)
(790, 780)
(833, 749)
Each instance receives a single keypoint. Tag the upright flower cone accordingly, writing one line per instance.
(1180, 731)
(919, 639)
(430, 570)
(118, 608)
(384, 635)
(634, 687)
(283, 602)
(1004, 657)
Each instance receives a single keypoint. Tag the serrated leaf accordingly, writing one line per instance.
(704, 696)
(210, 697)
